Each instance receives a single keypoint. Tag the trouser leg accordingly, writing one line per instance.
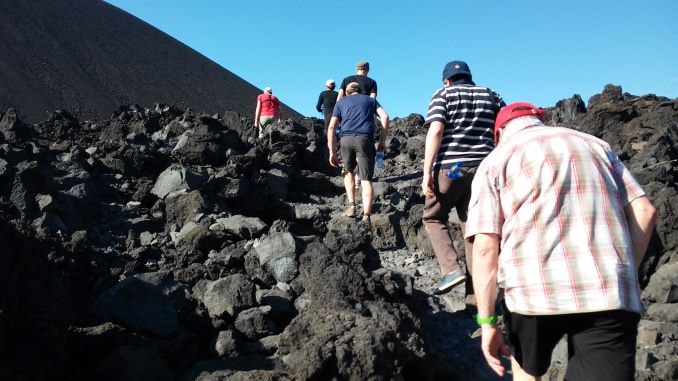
(602, 346)
(436, 213)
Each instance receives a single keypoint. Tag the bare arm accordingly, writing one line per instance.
(332, 141)
(340, 94)
(484, 271)
(318, 105)
(257, 112)
(641, 216)
(433, 138)
(485, 266)
(385, 122)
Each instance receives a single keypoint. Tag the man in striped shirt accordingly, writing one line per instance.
(460, 120)
(572, 226)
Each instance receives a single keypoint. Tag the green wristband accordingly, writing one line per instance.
(492, 320)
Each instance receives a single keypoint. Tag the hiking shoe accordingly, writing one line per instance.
(350, 212)
(449, 281)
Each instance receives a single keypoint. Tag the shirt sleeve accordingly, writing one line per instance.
(320, 102)
(500, 101)
(628, 186)
(484, 209)
(337, 110)
(437, 108)
(344, 83)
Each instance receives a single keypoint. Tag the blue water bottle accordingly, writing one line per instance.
(455, 171)
(380, 160)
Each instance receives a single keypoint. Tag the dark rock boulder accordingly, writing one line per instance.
(205, 143)
(255, 323)
(277, 254)
(228, 296)
(12, 128)
(140, 306)
(36, 307)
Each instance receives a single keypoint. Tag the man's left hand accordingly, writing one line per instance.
(493, 346)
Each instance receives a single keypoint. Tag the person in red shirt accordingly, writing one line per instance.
(268, 109)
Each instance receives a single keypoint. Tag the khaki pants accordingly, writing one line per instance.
(448, 194)
(264, 124)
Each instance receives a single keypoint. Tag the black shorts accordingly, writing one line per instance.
(601, 345)
(361, 148)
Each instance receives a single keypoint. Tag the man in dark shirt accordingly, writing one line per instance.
(326, 101)
(356, 113)
(367, 85)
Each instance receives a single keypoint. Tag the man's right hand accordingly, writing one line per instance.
(427, 185)
(333, 159)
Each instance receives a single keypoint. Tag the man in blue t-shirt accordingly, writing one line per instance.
(356, 113)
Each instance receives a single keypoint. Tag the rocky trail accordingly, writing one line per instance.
(165, 244)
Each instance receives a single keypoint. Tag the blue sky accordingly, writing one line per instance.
(538, 51)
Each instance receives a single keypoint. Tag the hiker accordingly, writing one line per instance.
(367, 85)
(572, 225)
(326, 101)
(460, 121)
(268, 109)
(356, 113)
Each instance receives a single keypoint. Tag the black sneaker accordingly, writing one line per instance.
(450, 280)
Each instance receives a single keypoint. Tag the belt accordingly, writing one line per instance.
(352, 134)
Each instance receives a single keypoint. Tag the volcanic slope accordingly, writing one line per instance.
(89, 57)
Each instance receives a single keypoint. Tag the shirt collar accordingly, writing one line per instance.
(518, 124)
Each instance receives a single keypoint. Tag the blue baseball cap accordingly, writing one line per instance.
(455, 68)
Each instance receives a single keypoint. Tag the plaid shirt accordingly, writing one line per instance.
(556, 198)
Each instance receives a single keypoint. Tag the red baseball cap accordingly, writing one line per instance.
(512, 111)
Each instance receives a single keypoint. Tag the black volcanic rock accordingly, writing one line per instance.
(166, 244)
(88, 57)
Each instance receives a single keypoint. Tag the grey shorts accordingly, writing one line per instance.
(358, 151)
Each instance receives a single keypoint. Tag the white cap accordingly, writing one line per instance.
(329, 82)
(268, 90)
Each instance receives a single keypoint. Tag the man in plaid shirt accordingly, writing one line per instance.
(572, 226)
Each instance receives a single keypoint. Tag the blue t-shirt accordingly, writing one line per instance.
(356, 113)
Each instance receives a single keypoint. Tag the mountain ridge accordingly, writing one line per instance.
(89, 57)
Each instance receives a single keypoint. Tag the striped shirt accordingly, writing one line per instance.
(556, 198)
(468, 113)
